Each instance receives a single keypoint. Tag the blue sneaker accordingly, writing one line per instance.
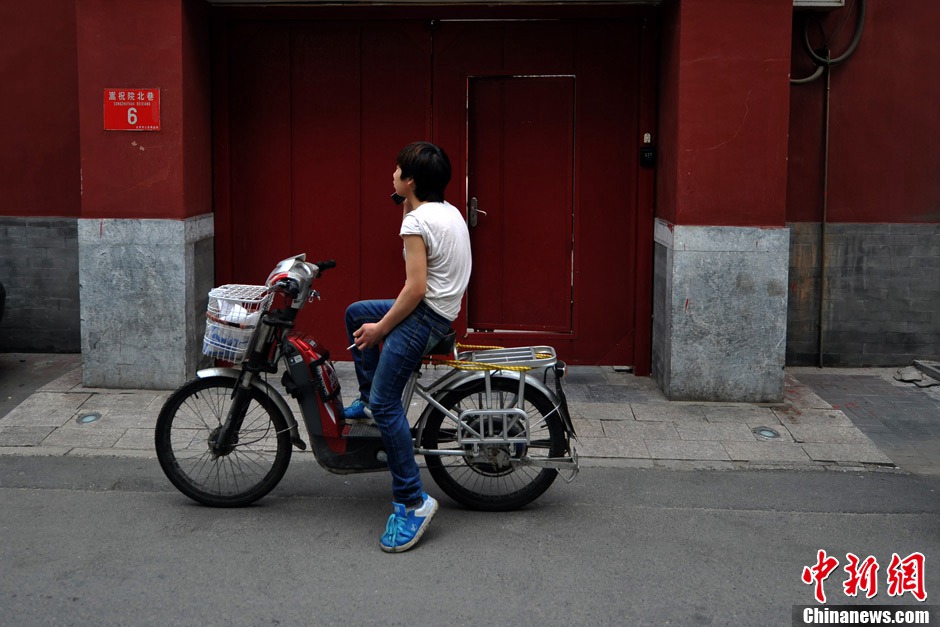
(406, 526)
(358, 411)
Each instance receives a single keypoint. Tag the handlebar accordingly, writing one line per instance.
(289, 287)
(293, 276)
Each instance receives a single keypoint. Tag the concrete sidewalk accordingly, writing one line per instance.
(830, 419)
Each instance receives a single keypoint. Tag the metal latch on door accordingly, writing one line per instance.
(472, 211)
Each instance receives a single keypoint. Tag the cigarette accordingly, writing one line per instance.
(351, 346)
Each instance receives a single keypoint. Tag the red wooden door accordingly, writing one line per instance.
(540, 119)
(547, 114)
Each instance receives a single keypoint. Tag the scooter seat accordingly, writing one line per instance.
(445, 346)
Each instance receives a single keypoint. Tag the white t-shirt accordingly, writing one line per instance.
(447, 239)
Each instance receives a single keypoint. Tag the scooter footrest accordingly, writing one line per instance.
(364, 431)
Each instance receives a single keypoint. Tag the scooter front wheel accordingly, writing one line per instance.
(494, 475)
(242, 472)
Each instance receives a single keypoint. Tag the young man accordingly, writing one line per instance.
(437, 270)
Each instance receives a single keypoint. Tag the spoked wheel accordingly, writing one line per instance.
(490, 476)
(238, 474)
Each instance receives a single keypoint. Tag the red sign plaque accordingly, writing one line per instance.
(128, 109)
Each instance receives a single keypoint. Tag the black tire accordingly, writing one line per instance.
(253, 467)
(497, 484)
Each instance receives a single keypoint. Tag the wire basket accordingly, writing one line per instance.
(231, 319)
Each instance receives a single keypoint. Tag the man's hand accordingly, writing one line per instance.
(367, 336)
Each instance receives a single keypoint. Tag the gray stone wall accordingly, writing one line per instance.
(720, 312)
(882, 298)
(144, 286)
(662, 307)
(39, 270)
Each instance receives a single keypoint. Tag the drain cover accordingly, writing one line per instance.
(85, 419)
(765, 432)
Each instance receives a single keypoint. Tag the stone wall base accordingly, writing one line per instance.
(882, 294)
(144, 290)
(39, 271)
(720, 312)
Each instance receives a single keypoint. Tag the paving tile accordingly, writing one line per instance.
(639, 384)
(585, 375)
(601, 411)
(42, 401)
(579, 394)
(617, 394)
(738, 414)
(864, 452)
(636, 430)
(609, 447)
(587, 427)
(88, 436)
(669, 412)
(716, 432)
(65, 383)
(41, 412)
(770, 420)
(131, 401)
(139, 439)
(23, 436)
(826, 434)
(820, 417)
(665, 449)
(143, 419)
(766, 452)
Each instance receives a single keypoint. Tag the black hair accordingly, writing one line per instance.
(428, 166)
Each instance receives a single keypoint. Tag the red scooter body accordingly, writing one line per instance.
(311, 379)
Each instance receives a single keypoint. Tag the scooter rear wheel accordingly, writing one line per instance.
(492, 478)
(250, 468)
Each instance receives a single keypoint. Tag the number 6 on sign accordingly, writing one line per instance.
(128, 109)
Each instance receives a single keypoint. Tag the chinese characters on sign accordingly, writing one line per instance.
(132, 109)
(902, 575)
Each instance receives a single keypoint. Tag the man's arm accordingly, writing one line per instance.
(416, 285)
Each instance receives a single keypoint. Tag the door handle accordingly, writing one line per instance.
(473, 211)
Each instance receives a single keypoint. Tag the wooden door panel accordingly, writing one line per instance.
(325, 139)
(521, 132)
(318, 112)
(260, 157)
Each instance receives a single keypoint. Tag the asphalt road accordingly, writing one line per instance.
(107, 541)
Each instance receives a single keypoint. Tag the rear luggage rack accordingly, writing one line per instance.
(522, 357)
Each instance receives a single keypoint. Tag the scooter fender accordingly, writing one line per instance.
(269, 391)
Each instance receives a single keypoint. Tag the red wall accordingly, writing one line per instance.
(39, 142)
(724, 112)
(148, 43)
(721, 100)
(885, 127)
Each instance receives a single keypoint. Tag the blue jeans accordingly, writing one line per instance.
(382, 377)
